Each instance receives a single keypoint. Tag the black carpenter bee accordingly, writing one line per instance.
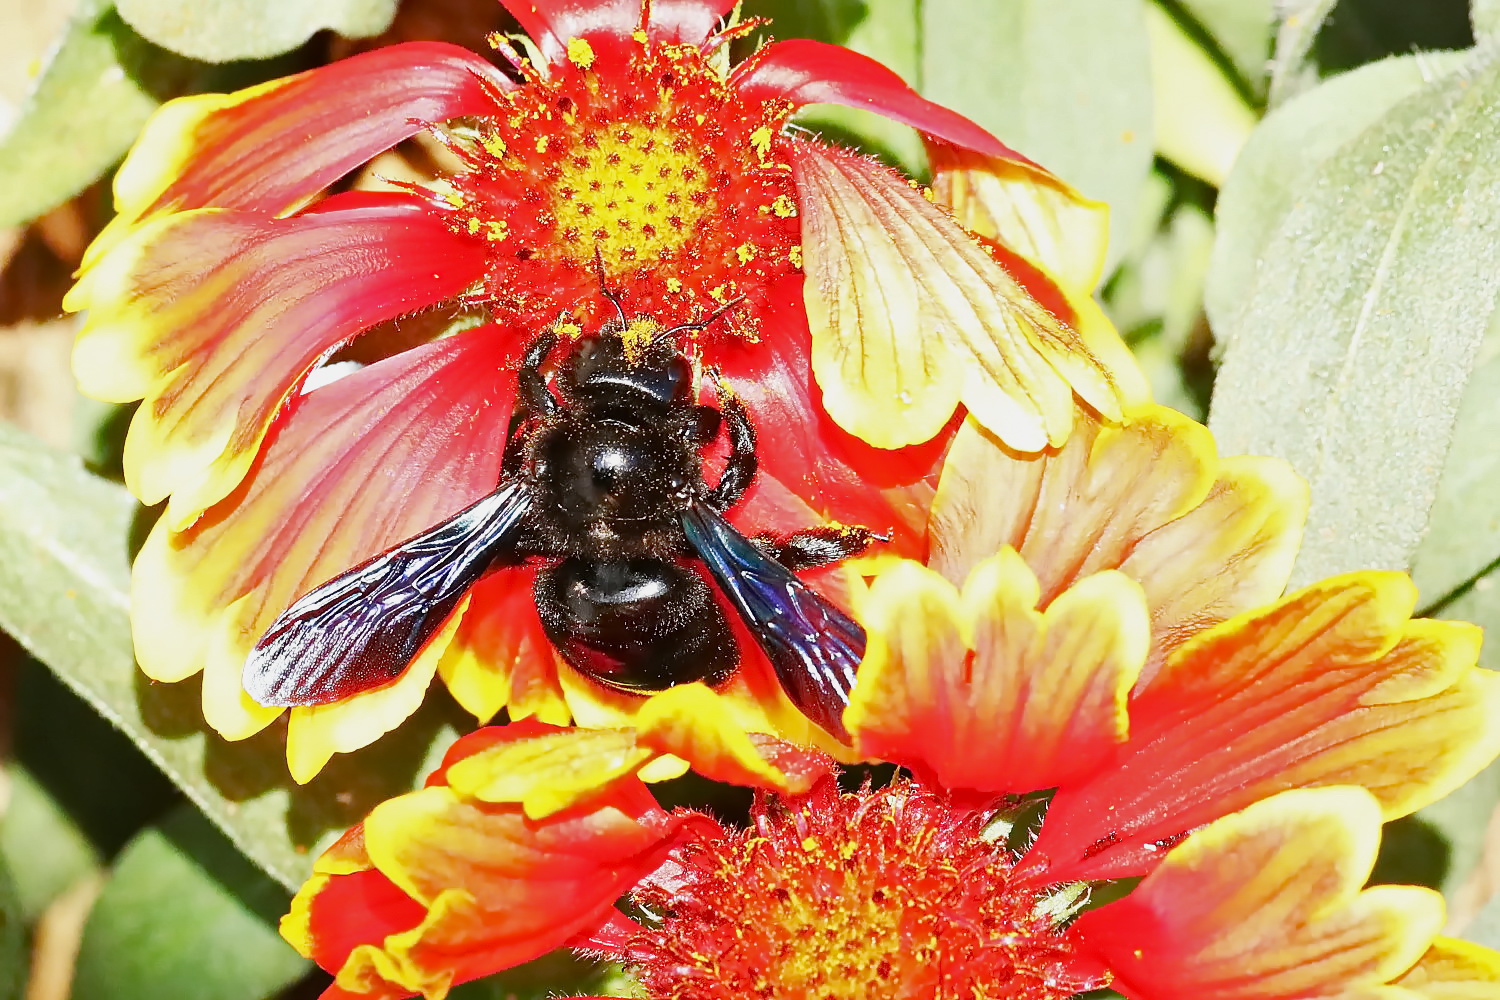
(603, 481)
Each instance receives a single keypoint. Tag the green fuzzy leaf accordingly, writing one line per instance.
(183, 915)
(1297, 28)
(1066, 82)
(1277, 166)
(97, 89)
(13, 959)
(1348, 352)
(224, 30)
(1484, 15)
(64, 580)
(1463, 537)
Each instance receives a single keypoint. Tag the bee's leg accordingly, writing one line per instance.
(740, 469)
(814, 547)
(533, 398)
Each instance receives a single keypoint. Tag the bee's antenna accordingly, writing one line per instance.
(609, 293)
(700, 324)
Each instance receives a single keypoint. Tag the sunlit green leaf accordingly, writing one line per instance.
(1201, 119)
(183, 915)
(64, 572)
(1242, 29)
(1067, 82)
(225, 30)
(95, 92)
(1348, 352)
(1298, 23)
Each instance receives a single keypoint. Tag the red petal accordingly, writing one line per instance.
(1331, 686)
(355, 467)
(268, 147)
(551, 23)
(808, 72)
(836, 473)
(216, 317)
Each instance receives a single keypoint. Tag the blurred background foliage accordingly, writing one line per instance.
(1305, 252)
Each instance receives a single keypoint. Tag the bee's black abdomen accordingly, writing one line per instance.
(637, 624)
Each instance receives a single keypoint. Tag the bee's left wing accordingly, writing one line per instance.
(363, 628)
(814, 646)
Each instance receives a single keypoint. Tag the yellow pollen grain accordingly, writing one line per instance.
(784, 207)
(541, 144)
(580, 53)
(495, 40)
(760, 141)
(745, 252)
(473, 226)
(673, 285)
(929, 194)
(640, 36)
(494, 145)
(496, 229)
(794, 255)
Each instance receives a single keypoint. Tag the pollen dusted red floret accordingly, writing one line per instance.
(640, 157)
(877, 894)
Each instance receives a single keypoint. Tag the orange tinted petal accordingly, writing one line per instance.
(555, 771)
(1330, 686)
(355, 467)
(500, 656)
(466, 887)
(1205, 538)
(910, 317)
(1454, 970)
(214, 318)
(1266, 904)
(985, 692)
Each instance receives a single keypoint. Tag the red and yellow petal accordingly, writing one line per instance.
(500, 658)
(459, 887)
(553, 25)
(353, 468)
(1332, 685)
(911, 317)
(1206, 538)
(835, 474)
(272, 146)
(214, 318)
(985, 693)
(804, 71)
(1029, 210)
(556, 771)
(1266, 904)
(1454, 970)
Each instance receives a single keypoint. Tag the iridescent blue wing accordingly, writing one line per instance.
(814, 646)
(363, 628)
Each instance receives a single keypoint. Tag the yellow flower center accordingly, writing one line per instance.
(633, 194)
(886, 895)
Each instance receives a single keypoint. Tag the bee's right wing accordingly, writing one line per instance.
(814, 647)
(361, 629)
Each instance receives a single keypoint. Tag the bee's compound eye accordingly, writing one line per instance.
(638, 624)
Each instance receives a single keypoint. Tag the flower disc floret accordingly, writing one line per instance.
(879, 895)
(641, 159)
